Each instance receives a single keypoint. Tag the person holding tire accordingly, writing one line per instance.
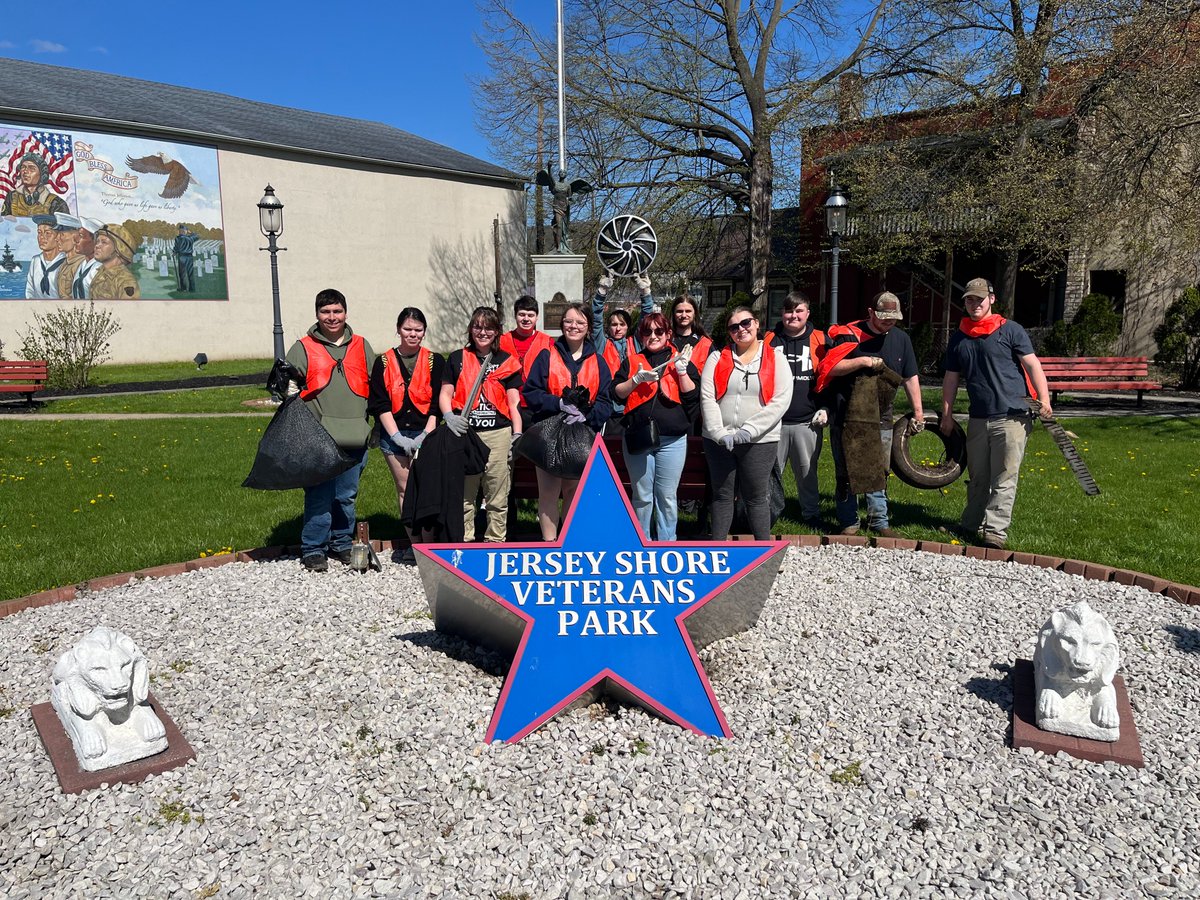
(661, 392)
(994, 358)
(869, 347)
(744, 392)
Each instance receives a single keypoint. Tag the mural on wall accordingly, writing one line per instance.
(90, 216)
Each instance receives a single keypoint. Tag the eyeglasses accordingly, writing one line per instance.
(735, 327)
(484, 329)
(655, 332)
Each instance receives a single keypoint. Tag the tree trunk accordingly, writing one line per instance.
(1007, 288)
(762, 175)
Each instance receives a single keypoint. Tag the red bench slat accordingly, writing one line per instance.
(1102, 373)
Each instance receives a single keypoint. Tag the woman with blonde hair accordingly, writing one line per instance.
(744, 392)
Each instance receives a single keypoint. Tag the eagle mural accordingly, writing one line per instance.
(178, 177)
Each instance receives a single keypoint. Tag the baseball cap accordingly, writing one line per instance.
(977, 287)
(887, 306)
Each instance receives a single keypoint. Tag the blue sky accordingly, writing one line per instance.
(408, 64)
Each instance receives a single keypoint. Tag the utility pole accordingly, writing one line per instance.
(496, 258)
(539, 207)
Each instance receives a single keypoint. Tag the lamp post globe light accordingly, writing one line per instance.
(836, 210)
(270, 222)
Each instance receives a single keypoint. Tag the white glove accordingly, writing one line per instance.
(916, 424)
(419, 440)
(403, 444)
(820, 418)
(456, 423)
(575, 418)
(606, 281)
(570, 409)
(642, 280)
(741, 436)
(642, 376)
(681, 365)
(727, 441)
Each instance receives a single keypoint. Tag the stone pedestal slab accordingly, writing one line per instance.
(557, 272)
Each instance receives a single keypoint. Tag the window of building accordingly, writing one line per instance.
(1110, 283)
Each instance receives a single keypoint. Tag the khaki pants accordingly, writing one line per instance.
(995, 448)
(496, 478)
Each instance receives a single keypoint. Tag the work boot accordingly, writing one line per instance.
(888, 533)
(315, 562)
(993, 540)
(850, 529)
(342, 556)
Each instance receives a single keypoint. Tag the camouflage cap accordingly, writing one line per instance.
(887, 306)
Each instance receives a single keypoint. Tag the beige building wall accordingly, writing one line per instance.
(383, 236)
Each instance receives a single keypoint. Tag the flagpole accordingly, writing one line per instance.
(562, 149)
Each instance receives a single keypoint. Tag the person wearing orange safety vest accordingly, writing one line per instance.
(336, 365)
(744, 391)
(669, 397)
(494, 417)
(405, 382)
(803, 423)
(860, 348)
(995, 358)
(611, 333)
(571, 362)
(525, 342)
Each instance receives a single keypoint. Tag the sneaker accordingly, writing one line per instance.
(888, 533)
(342, 556)
(315, 562)
(849, 529)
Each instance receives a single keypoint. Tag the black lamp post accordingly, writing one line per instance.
(836, 208)
(270, 222)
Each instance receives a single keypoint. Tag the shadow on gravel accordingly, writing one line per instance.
(994, 690)
(1187, 640)
(458, 650)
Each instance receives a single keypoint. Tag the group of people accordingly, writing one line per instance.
(760, 402)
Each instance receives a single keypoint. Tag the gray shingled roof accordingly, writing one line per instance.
(108, 101)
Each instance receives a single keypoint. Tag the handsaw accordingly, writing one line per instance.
(1070, 454)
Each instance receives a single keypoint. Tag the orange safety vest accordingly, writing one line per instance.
(835, 353)
(612, 355)
(643, 392)
(421, 388)
(541, 341)
(766, 373)
(560, 376)
(492, 391)
(321, 364)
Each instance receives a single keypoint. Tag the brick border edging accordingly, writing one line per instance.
(1183, 593)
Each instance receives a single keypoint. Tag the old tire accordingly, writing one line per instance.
(942, 472)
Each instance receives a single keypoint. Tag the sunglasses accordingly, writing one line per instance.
(735, 327)
(655, 332)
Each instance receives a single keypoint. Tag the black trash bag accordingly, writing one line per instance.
(295, 451)
(775, 500)
(556, 447)
(281, 373)
(578, 397)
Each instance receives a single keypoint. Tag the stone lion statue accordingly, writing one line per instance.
(100, 690)
(1073, 668)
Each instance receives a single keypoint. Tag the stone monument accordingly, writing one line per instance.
(100, 692)
(1074, 665)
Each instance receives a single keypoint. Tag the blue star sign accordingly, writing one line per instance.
(603, 609)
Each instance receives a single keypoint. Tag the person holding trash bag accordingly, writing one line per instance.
(404, 384)
(661, 392)
(744, 392)
(336, 365)
(570, 384)
(494, 416)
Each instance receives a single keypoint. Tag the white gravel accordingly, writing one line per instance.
(340, 750)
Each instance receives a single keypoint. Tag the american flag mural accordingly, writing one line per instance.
(54, 148)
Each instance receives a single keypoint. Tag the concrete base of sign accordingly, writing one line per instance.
(554, 272)
(1127, 750)
(75, 780)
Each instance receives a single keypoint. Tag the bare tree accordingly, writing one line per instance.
(676, 106)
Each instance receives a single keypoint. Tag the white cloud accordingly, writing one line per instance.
(40, 46)
(7, 45)
(103, 50)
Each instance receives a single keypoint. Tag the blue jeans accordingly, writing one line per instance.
(329, 510)
(654, 482)
(847, 504)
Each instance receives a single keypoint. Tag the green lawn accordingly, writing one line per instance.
(224, 399)
(170, 371)
(83, 499)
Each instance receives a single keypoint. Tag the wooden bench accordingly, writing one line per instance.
(19, 376)
(693, 482)
(1097, 373)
